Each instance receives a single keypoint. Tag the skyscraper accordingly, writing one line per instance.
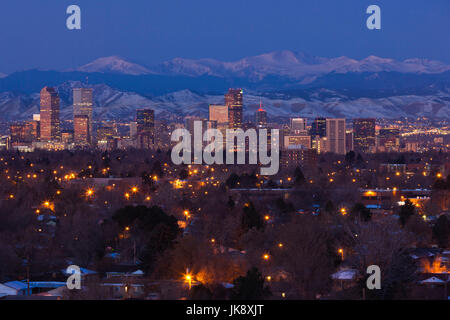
(261, 117)
(319, 127)
(81, 129)
(82, 105)
(234, 102)
(145, 119)
(336, 135)
(218, 113)
(389, 139)
(298, 124)
(49, 115)
(363, 134)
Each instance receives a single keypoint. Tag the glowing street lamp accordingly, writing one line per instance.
(341, 252)
(89, 192)
(266, 256)
(134, 189)
(188, 278)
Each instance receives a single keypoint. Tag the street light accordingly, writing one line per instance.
(89, 192)
(188, 278)
(341, 252)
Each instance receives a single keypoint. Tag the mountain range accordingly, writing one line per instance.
(280, 63)
(289, 84)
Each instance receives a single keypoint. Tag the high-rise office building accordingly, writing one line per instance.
(336, 135)
(298, 124)
(261, 117)
(297, 140)
(219, 114)
(389, 139)
(106, 131)
(145, 120)
(81, 125)
(82, 105)
(364, 134)
(349, 140)
(23, 132)
(319, 127)
(49, 115)
(234, 102)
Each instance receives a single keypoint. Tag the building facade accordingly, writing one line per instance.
(49, 115)
(364, 134)
(145, 128)
(234, 100)
(82, 106)
(336, 135)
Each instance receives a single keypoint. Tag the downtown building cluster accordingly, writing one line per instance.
(45, 131)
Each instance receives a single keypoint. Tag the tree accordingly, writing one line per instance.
(154, 226)
(406, 211)
(299, 176)
(350, 156)
(441, 231)
(200, 292)
(183, 174)
(250, 287)
(329, 207)
(232, 180)
(360, 211)
(251, 218)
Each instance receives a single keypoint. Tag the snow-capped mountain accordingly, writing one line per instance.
(286, 63)
(110, 103)
(114, 64)
(294, 65)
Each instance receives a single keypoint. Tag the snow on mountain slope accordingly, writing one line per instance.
(113, 104)
(295, 65)
(114, 64)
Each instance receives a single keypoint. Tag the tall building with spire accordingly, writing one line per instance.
(49, 115)
(261, 117)
(234, 102)
(82, 106)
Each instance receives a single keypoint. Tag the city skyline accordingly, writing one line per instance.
(309, 159)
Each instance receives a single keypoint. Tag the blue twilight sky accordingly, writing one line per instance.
(33, 33)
